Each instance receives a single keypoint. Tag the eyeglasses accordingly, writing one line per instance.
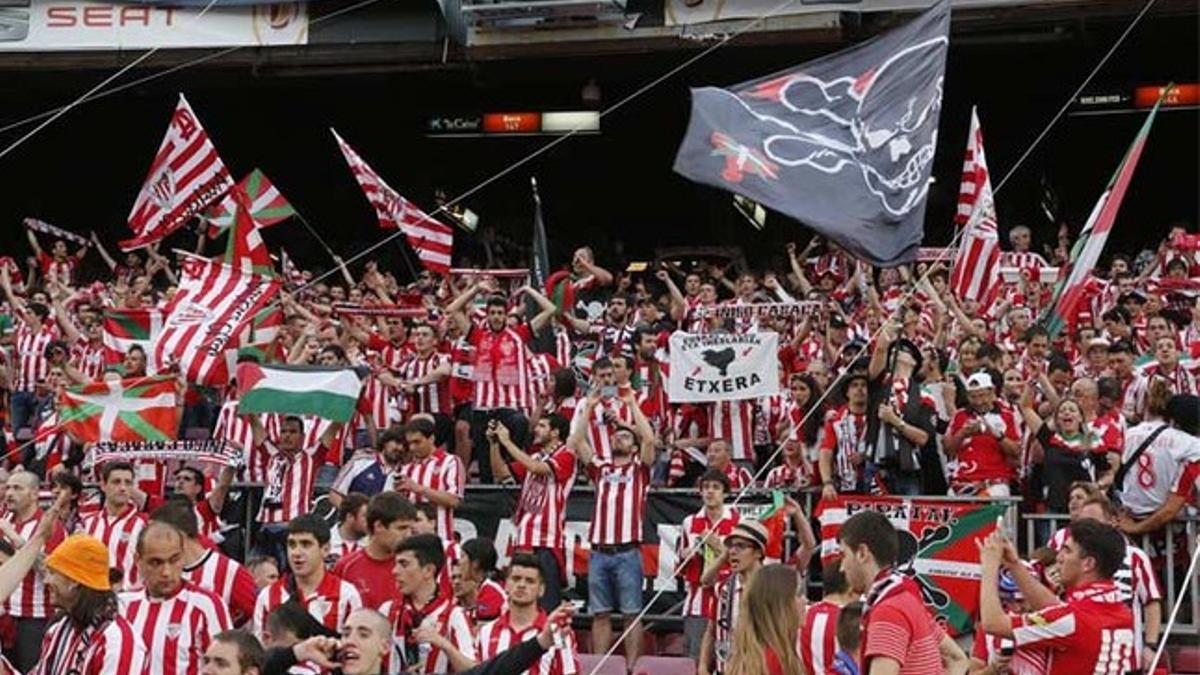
(739, 545)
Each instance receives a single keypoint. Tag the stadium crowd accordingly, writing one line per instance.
(890, 385)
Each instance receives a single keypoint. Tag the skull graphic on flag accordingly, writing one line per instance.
(844, 144)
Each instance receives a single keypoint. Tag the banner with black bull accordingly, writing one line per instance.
(844, 144)
(488, 512)
(723, 366)
(937, 547)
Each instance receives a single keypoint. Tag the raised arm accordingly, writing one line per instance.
(798, 267)
(578, 440)
(539, 321)
(108, 259)
(33, 242)
(678, 303)
(647, 449)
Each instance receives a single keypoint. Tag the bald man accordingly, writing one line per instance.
(30, 603)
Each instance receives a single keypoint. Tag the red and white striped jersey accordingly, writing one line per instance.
(432, 398)
(600, 432)
(739, 477)
(63, 269)
(235, 429)
(289, 480)
(620, 498)
(733, 421)
(441, 613)
(177, 629)
(817, 640)
(1139, 586)
(542, 507)
(395, 356)
(114, 647)
(499, 636)
(330, 604)
(340, 548)
(500, 368)
(769, 412)
(490, 601)
(700, 599)
(540, 377)
(226, 578)
(845, 435)
(440, 471)
(376, 403)
(120, 535)
(31, 365)
(1022, 259)
(88, 358)
(789, 476)
(31, 600)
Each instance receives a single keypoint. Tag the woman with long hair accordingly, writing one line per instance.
(764, 639)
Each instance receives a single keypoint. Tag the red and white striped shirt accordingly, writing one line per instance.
(733, 421)
(330, 604)
(30, 355)
(600, 431)
(88, 358)
(499, 636)
(290, 477)
(63, 268)
(114, 647)
(788, 476)
(818, 637)
(443, 614)
(542, 507)
(31, 600)
(440, 471)
(620, 498)
(700, 599)
(177, 629)
(226, 578)
(120, 535)
(500, 367)
(340, 548)
(434, 397)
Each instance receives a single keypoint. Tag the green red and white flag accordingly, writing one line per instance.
(246, 249)
(127, 328)
(1073, 277)
(136, 409)
(328, 393)
(267, 204)
(937, 544)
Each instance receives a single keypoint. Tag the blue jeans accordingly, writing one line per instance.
(22, 404)
(615, 581)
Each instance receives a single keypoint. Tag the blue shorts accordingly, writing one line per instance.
(615, 582)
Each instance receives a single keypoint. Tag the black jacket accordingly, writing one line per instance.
(516, 660)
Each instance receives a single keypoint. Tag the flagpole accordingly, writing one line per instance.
(403, 246)
(313, 232)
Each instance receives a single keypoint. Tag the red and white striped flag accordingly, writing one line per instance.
(187, 174)
(977, 265)
(431, 239)
(207, 317)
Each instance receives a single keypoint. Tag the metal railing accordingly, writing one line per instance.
(1170, 561)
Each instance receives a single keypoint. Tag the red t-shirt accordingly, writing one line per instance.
(900, 627)
(373, 578)
(980, 457)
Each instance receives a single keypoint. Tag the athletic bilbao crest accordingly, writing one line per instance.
(162, 188)
(191, 314)
(844, 144)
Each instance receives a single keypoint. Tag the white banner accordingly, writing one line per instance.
(688, 12)
(68, 25)
(723, 366)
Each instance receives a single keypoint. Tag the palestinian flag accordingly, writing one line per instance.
(125, 328)
(267, 204)
(138, 409)
(1073, 277)
(937, 545)
(328, 393)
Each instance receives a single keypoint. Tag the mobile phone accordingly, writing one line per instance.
(608, 391)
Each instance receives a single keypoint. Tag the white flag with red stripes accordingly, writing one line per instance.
(432, 240)
(977, 265)
(207, 317)
(186, 175)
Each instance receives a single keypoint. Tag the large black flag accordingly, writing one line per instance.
(539, 270)
(844, 144)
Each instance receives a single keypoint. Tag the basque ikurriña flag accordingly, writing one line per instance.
(937, 546)
(844, 144)
(137, 409)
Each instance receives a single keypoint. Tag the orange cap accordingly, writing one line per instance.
(82, 559)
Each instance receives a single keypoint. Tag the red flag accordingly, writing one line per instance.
(432, 240)
(185, 176)
(245, 249)
(207, 317)
(977, 265)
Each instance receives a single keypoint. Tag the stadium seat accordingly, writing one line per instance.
(672, 644)
(613, 665)
(1185, 660)
(664, 665)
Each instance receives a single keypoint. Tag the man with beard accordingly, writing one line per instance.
(367, 472)
(899, 634)
(524, 619)
(176, 619)
(547, 474)
(29, 604)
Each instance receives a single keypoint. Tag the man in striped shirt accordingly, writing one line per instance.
(30, 603)
(208, 568)
(176, 619)
(31, 365)
(698, 539)
(431, 631)
(547, 476)
(118, 522)
(818, 648)
(424, 376)
(525, 619)
(434, 476)
(323, 594)
(615, 577)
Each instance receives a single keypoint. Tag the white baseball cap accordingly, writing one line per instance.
(980, 380)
